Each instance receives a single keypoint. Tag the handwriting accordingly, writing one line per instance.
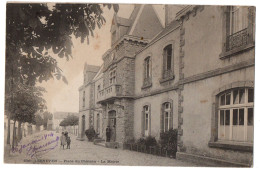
(38, 145)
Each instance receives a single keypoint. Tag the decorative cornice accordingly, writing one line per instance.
(218, 71)
(155, 92)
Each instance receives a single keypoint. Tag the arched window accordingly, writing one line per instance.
(235, 115)
(167, 61)
(146, 120)
(166, 117)
(147, 72)
(147, 67)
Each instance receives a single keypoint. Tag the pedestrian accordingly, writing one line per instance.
(63, 140)
(68, 142)
(108, 132)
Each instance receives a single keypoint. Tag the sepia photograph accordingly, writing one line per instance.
(127, 84)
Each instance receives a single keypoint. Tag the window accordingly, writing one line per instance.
(168, 62)
(146, 120)
(112, 77)
(83, 99)
(147, 67)
(147, 72)
(238, 29)
(235, 115)
(238, 19)
(166, 117)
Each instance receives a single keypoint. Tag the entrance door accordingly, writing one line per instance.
(112, 124)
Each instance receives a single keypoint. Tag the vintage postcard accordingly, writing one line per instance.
(129, 84)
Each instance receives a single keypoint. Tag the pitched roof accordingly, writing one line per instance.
(174, 24)
(91, 68)
(171, 26)
(122, 21)
(99, 74)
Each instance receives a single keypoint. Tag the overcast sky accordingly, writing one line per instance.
(62, 97)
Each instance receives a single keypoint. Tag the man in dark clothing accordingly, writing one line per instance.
(68, 142)
(108, 132)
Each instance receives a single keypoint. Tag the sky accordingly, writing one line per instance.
(61, 97)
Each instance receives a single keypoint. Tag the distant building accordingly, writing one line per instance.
(194, 74)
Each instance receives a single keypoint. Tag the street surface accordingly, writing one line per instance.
(48, 151)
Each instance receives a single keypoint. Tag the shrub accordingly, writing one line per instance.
(91, 134)
(168, 141)
(150, 141)
(147, 142)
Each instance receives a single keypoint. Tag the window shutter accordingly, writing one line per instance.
(162, 119)
(171, 116)
(142, 122)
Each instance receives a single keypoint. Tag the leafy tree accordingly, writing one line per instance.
(70, 120)
(26, 101)
(46, 116)
(38, 120)
(35, 34)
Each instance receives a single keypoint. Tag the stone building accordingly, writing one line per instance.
(194, 73)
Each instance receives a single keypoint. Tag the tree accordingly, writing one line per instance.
(26, 101)
(70, 120)
(35, 33)
(38, 121)
(46, 116)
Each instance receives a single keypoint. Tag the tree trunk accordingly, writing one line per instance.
(8, 130)
(14, 135)
(19, 130)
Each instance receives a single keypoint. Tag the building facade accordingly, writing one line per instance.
(195, 73)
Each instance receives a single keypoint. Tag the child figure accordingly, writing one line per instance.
(68, 142)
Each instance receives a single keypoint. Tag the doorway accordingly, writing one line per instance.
(112, 124)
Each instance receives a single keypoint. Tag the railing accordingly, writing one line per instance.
(167, 74)
(110, 91)
(237, 39)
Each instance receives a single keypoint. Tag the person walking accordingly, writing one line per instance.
(63, 140)
(68, 142)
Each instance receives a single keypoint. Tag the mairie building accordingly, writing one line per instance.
(194, 73)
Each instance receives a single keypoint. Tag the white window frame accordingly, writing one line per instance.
(238, 19)
(167, 110)
(246, 105)
(146, 120)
